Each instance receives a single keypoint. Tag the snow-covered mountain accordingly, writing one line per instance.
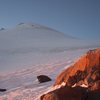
(28, 50)
(24, 45)
(19, 45)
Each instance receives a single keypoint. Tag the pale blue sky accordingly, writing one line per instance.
(79, 18)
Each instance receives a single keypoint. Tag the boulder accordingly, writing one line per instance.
(43, 78)
(3, 90)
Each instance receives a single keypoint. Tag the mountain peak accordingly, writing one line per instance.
(33, 25)
(29, 25)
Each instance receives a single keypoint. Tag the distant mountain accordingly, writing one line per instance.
(40, 31)
(32, 35)
(21, 45)
(29, 35)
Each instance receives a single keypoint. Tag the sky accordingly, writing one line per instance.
(79, 18)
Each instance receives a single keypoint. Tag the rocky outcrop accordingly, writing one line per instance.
(93, 95)
(49, 96)
(3, 90)
(66, 93)
(82, 80)
(85, 71)
(43, 78)
(69, 93)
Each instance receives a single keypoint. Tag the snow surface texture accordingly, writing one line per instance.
(29, 50)
(23, 85)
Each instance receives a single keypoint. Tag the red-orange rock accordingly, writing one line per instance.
(95, 86)
(88, 64)
(85, 72)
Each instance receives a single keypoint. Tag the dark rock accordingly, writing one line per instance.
(92, 76)
(43, 78)
(79, 76)
(93, 95)
(3, 90)
(66, 93)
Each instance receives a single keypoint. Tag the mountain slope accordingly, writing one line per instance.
(26, 44)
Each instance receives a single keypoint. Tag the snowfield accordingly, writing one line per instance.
(23, 84)
(29, 50)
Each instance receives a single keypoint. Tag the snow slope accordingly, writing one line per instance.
(26, 45)
(23, 84)
(28, 50)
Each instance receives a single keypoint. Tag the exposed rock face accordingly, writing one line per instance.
(49, 96)
(66, 93)
(43, 78)
(77, 78)
(95, 86)
(69, 93)
(85, 71)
